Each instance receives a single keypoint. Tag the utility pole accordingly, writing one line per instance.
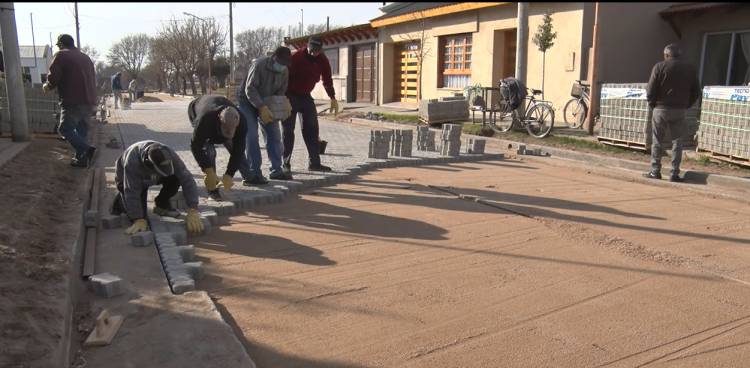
(594, 97)
(522, 36)
(231, 52)
(33, 41)
(328, 23)
(302, 23)
(13, 79)
(78, 28)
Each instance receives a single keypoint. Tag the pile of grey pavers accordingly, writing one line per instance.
(475, 145)
(425, 139)
(380, 143)
(445, 109)
(450, 139)
(401, 144)
(522, 150)
(278, 107)
(725, 124)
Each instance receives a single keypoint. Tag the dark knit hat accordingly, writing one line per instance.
(65, 40)
(283, 55)
(315, 43)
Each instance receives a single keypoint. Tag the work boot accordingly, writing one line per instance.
(166, 212)
(318, 167)
(676, 179)
(652, 175)
(280, 175)
(79, 162)
(215, 195)
(255, 180)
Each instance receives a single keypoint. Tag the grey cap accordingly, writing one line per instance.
(315, 43)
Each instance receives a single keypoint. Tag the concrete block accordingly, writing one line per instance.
(183, 285)
(187, 252)
(106, 285)
(111, 222)
(91, 218)
(212, 217)
(142, 239)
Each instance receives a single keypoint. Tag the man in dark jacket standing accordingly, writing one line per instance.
(117, 88)
(672, 89)
(217, 121)
(306, 69)
(72, 74)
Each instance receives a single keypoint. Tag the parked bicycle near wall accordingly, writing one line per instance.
(577, 108)
(538, 115)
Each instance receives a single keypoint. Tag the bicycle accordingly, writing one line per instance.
(577, 108)
(539, 116)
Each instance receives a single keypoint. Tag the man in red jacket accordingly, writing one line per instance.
(306, 69)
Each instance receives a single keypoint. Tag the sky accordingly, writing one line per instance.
(103, 24)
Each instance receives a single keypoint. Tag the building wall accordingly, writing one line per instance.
(343, 81)
(487, 60)
(42, 67)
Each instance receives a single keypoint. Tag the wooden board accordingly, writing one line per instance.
(89, 252)
(105, 330)
(624, 144)
(742, 161)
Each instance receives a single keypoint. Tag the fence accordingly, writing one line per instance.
(42, 109)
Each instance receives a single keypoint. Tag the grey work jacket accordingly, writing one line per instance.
(136, 178)
(262, 81)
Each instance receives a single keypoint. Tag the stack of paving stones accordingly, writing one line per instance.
(277, 105)
(725, 123)
(401, 144)
(444, 109)
(450, 139)
(380, 142)
(425, 139)
(475, 145)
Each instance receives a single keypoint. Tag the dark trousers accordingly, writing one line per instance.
(170, 187)
(305, 105)
(668, 125)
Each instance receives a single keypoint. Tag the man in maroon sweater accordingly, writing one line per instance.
(306, 69)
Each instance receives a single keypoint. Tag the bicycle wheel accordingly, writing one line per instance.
(539, 120)
(574, 113)
(503, 122)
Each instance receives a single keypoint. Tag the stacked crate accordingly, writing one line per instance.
(724, 130)
(42, 110)
(425, 139)
(380, 142)
(401, 144)
(444, 109)
(450, 138)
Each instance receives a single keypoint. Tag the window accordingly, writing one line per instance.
(725, 59)
(333, 59)
(455, 61)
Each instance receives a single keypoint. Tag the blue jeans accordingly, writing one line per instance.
(74, 126)
(272, 133)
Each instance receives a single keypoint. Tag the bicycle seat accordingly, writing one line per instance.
(535, 91)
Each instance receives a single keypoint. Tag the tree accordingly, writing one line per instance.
(544, 40)
(422, 50)
(254, 43)
(130, 53)
(92, 52)
(220, 70)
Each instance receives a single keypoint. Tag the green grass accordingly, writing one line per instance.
(398, 118)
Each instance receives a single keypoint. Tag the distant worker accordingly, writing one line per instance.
(149, 163)
(672, 89)
(133, 90)
(268, 76)
(117, 88)
(306, 69)
(72, 74)
(217, 121)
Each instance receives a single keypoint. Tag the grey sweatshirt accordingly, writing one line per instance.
(136, 178)
(262, 81)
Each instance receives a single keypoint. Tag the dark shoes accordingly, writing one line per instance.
(86, 160)
(215, 195)
(652, 175)
(676, 179)
(255, 180)
(318, 167)
(287, 166)
(281, 175)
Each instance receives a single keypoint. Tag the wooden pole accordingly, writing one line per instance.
(594, 95)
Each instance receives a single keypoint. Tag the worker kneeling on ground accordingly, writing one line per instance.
(217, 121)
(149, 163)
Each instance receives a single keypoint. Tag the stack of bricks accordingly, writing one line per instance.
(451, 140)
(380, 142)
(475, 145)
(445, 109)
(401, 144)
(725, 122)
(278, 107)
(425, 139)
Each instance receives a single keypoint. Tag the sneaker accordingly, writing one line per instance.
(652, 175)
(319, 167)
(167, 212)
(215, 195)
(256, 180)
(676, 179)
(287, 166)
(82, 162)
(280, 175)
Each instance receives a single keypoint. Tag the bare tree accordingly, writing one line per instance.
(422, 50)
(92, 52)
(254, 43)
(212, 37)
(130, 53)
(180, 41)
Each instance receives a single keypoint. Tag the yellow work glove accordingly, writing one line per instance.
(211, 179)
(266, 116)
(137, 227)
(193, 221)
(46, 87)
(227, 181)
(334, 106)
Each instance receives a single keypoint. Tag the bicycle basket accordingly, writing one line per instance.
(576, 91)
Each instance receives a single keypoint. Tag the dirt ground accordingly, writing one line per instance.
(38, 225)
(554, 268)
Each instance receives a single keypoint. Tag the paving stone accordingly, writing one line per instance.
(91, 218)
(111, 222)
(142, 239)
(187, 252)
(183, 285)
(106, 285)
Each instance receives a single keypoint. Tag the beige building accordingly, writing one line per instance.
(475, 43)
